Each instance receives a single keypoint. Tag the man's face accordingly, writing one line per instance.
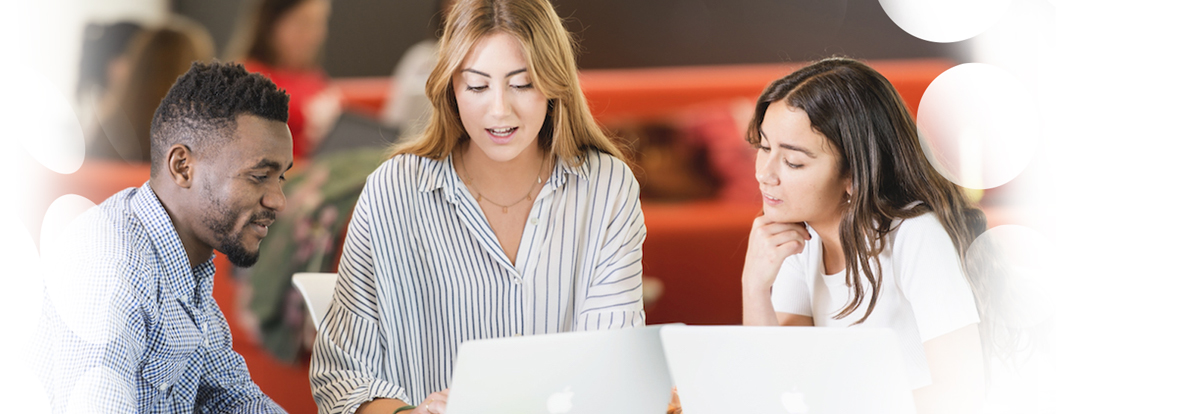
(241, 188)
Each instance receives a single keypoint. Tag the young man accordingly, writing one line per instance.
(129, 323)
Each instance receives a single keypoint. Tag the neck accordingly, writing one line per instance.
(832, 253)
(486, 172)
(170, 197)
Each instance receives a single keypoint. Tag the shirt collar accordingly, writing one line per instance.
(443, 177)
(180, 277)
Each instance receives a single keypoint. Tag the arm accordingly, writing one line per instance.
(956, 365)
(226, 386)
(102, 376)
(770, 244)
(930, 276)
(348, 354)
(435, 403)
(613, 296)
(91, 342)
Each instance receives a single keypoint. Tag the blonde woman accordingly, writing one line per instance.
(513, 214)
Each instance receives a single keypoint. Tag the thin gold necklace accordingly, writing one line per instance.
(503, 208)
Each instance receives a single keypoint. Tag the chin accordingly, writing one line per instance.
(506, 152)
(775, 215)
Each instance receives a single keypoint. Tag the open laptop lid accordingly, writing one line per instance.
(786, 370)
(617, 371)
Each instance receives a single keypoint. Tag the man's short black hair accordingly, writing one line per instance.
(201, 109)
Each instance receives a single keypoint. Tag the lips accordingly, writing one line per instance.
(770, 200)
(260, 224)
(501, 135)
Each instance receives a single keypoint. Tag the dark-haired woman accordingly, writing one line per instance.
(859, 229)
(283, 40)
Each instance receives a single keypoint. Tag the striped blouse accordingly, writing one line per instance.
(422, 271)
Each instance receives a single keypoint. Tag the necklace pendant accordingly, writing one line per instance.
(504, 210)
(529, 197)
(479, 197)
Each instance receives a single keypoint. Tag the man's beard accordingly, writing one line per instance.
(222, 223)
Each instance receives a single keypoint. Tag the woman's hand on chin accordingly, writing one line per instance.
(770, 244)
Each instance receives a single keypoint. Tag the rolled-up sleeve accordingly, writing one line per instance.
(349, 351)
(613, 297)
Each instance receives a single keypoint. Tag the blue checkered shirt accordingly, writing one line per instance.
(129, 326)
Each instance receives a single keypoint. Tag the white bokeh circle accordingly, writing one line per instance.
(102, 384)
(945, 21)
(979, 125)
(72, 255)
(37, 112)
(21, 295)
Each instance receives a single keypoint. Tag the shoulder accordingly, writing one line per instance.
(922, 238)
(406, 171)
(105, 252)
(605, 170)
(924, 226)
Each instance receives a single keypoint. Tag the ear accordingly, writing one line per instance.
(181, 165)
(849, 187)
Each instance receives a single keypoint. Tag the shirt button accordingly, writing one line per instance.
(516, 280)
(164, 386)
(533, 221)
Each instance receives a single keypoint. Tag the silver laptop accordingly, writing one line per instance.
(617, 371)
(786, 370)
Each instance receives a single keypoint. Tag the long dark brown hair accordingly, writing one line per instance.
(866, 121)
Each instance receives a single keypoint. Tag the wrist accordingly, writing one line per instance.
(753, 287)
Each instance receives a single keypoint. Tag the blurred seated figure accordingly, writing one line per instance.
(407, 108)
(138, 80)
(283, 40)
(102, 63)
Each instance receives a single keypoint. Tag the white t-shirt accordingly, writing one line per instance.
(923, 295)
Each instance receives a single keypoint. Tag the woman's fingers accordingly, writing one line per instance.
(787, 243)
(436, 402)
(776, 228)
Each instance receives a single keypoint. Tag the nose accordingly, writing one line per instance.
(765, 174)
(274, 198)
(499, 105)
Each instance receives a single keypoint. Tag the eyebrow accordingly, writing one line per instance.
(509, 74)
(806, 151)
(274, 165)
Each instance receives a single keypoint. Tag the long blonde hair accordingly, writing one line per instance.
(569, 129)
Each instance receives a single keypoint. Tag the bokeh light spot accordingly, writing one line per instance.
(979, 125)
(36, 112)
(79, 287)
(945, 21)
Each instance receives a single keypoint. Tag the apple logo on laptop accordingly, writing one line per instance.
(560, 402)
(793, 401)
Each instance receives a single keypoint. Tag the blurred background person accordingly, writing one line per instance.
(138, 79)
(407, 108)
(102, 62)
(283, 40)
